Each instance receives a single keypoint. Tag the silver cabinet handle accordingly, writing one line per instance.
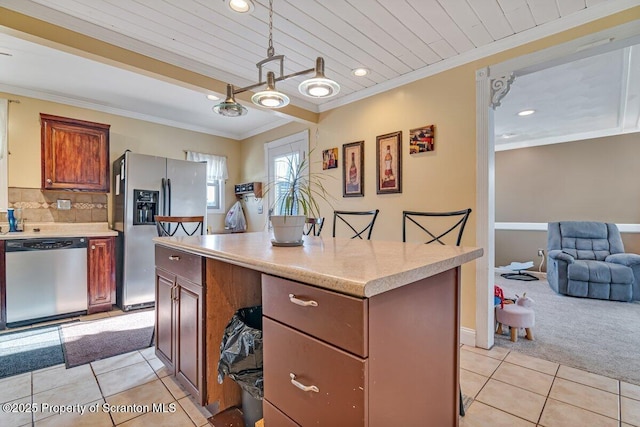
(298, 301)
(174, 257)
(93, 247)
(302, 386)
(49, 181)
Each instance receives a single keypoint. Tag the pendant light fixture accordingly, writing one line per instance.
(318, 86)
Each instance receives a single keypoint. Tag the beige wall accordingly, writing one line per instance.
(590, 180)
(125, 133)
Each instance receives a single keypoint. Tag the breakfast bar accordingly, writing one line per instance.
(356, 332)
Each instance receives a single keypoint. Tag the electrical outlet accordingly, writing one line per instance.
(64, 204)
(540, 252)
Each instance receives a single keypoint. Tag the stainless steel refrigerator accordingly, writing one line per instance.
(146, 186)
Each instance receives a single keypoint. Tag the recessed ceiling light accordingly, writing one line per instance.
(508, 135)
(241, 6)
(526, 112)
(360, 72)
(213, 97)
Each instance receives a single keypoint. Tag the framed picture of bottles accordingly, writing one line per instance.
(353, 169)
(389, 163)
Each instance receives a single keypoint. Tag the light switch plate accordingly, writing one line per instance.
(259, 209)
(64, 204)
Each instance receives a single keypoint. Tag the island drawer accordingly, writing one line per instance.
(340, 378)
(336, 318)
(273, 416)
(180, 263)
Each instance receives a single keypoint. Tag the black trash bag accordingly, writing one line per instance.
(241, 351)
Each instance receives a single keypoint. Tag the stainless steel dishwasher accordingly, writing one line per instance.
(46, 278)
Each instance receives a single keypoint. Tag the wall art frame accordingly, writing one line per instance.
(330, 158)
(353, 169)
(389, 163)
(422, 139)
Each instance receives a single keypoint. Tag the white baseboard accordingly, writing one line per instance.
(468, 336)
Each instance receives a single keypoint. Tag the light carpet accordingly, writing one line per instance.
(85, 342)
(597, 336)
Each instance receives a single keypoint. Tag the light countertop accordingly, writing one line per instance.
(361, 268)
(55, 229)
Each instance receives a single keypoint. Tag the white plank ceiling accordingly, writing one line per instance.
(397, 40)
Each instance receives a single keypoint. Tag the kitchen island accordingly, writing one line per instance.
(355, 332)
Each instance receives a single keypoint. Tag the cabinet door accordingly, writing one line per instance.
(165, 315)
(102, 277)
(189, 324)
(75, 154)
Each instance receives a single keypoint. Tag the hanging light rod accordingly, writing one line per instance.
(316, 87)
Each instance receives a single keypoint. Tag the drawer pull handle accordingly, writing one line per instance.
(310, 303)
(302, 386)
(174, 257)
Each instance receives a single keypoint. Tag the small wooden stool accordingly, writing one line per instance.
(516, 316)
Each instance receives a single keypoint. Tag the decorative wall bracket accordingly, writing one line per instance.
(499, 88)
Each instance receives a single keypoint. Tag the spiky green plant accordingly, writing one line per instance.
(304, 190)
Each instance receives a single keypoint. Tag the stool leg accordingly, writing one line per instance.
(514, 334)
(500, 328)
(529, 334)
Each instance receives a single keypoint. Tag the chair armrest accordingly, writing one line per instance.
(624, 259)
(558, 255)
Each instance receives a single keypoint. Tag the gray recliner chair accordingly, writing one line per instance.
(587, 259)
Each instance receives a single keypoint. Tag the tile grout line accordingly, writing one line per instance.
(95, 376)
(548, 395)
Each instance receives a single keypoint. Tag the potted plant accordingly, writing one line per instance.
(296, 199)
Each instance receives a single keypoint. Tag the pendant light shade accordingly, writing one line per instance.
(319, 86)
(230, 108)
(270, 97)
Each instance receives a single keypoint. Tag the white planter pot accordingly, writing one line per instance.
(287, 229)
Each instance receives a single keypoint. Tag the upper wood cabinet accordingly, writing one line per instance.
(75, 154)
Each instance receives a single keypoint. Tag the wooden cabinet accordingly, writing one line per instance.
(101, 270)
(306, 367)
(180, 317)
(388, 360)
(75, 154)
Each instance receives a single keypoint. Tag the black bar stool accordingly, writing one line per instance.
(350, 219)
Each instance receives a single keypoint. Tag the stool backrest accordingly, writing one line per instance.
(421, 220)
(313, 226)
(350, 219)
(169, 225)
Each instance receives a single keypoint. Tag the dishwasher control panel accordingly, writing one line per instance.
(19, 245)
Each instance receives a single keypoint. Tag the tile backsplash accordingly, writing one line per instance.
(42, 206)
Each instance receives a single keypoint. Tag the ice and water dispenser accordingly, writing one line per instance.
(145, 207)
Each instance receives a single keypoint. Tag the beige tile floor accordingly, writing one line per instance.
(508, 389)
(511, 389)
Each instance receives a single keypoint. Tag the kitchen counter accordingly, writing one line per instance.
(362, 268)
(55, 229)
(340, 314)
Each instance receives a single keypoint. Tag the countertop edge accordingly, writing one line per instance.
(338, 284)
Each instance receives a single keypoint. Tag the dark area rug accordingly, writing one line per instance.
(30, 349)
(85, 342)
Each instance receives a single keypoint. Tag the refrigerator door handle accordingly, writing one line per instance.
(169, 198)
(163, 194)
